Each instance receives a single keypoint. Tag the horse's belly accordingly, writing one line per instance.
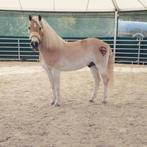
(72, 67)
(67, 65)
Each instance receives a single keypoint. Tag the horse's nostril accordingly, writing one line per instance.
(31, 43)
(34, 44)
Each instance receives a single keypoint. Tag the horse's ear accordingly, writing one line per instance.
(30, 17)
(39, 18)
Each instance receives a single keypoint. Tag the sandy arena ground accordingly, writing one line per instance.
(28, 120)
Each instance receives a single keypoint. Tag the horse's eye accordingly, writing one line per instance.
(29, 28)
(40, 28)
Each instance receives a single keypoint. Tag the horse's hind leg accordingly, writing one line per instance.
(106, 82)
(104, 74)
(97, 79)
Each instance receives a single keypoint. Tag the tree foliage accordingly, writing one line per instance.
(66, 25)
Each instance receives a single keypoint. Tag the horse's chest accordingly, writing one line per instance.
(51, 58)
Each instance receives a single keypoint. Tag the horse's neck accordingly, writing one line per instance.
(47, 45)
(51, 39)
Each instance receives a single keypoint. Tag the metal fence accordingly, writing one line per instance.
(131, 51)
(17, 49)
(128, 50)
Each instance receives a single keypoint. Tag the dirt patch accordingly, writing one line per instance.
(28, 120)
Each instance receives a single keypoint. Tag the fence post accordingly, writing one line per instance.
(139, 37)
(18, 49)
(138, 59)
(115, 34)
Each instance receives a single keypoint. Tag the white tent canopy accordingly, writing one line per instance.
(74, 5)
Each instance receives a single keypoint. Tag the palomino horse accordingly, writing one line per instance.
(58, 55)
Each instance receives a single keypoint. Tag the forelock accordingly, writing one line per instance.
(36, 21)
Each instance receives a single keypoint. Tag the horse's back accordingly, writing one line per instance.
(94, 42)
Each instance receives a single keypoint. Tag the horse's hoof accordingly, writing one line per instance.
(57, 105)
(52, 103)
(104, 102)
(91, 101)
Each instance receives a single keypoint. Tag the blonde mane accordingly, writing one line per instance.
(50, 37)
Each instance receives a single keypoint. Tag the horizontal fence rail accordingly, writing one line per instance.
(128, 50)
(18, 48)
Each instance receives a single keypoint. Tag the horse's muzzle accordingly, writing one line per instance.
(35, 45)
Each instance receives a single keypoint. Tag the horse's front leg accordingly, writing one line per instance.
(56, 89)
(50, 75)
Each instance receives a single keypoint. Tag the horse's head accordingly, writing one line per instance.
(35, 31)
